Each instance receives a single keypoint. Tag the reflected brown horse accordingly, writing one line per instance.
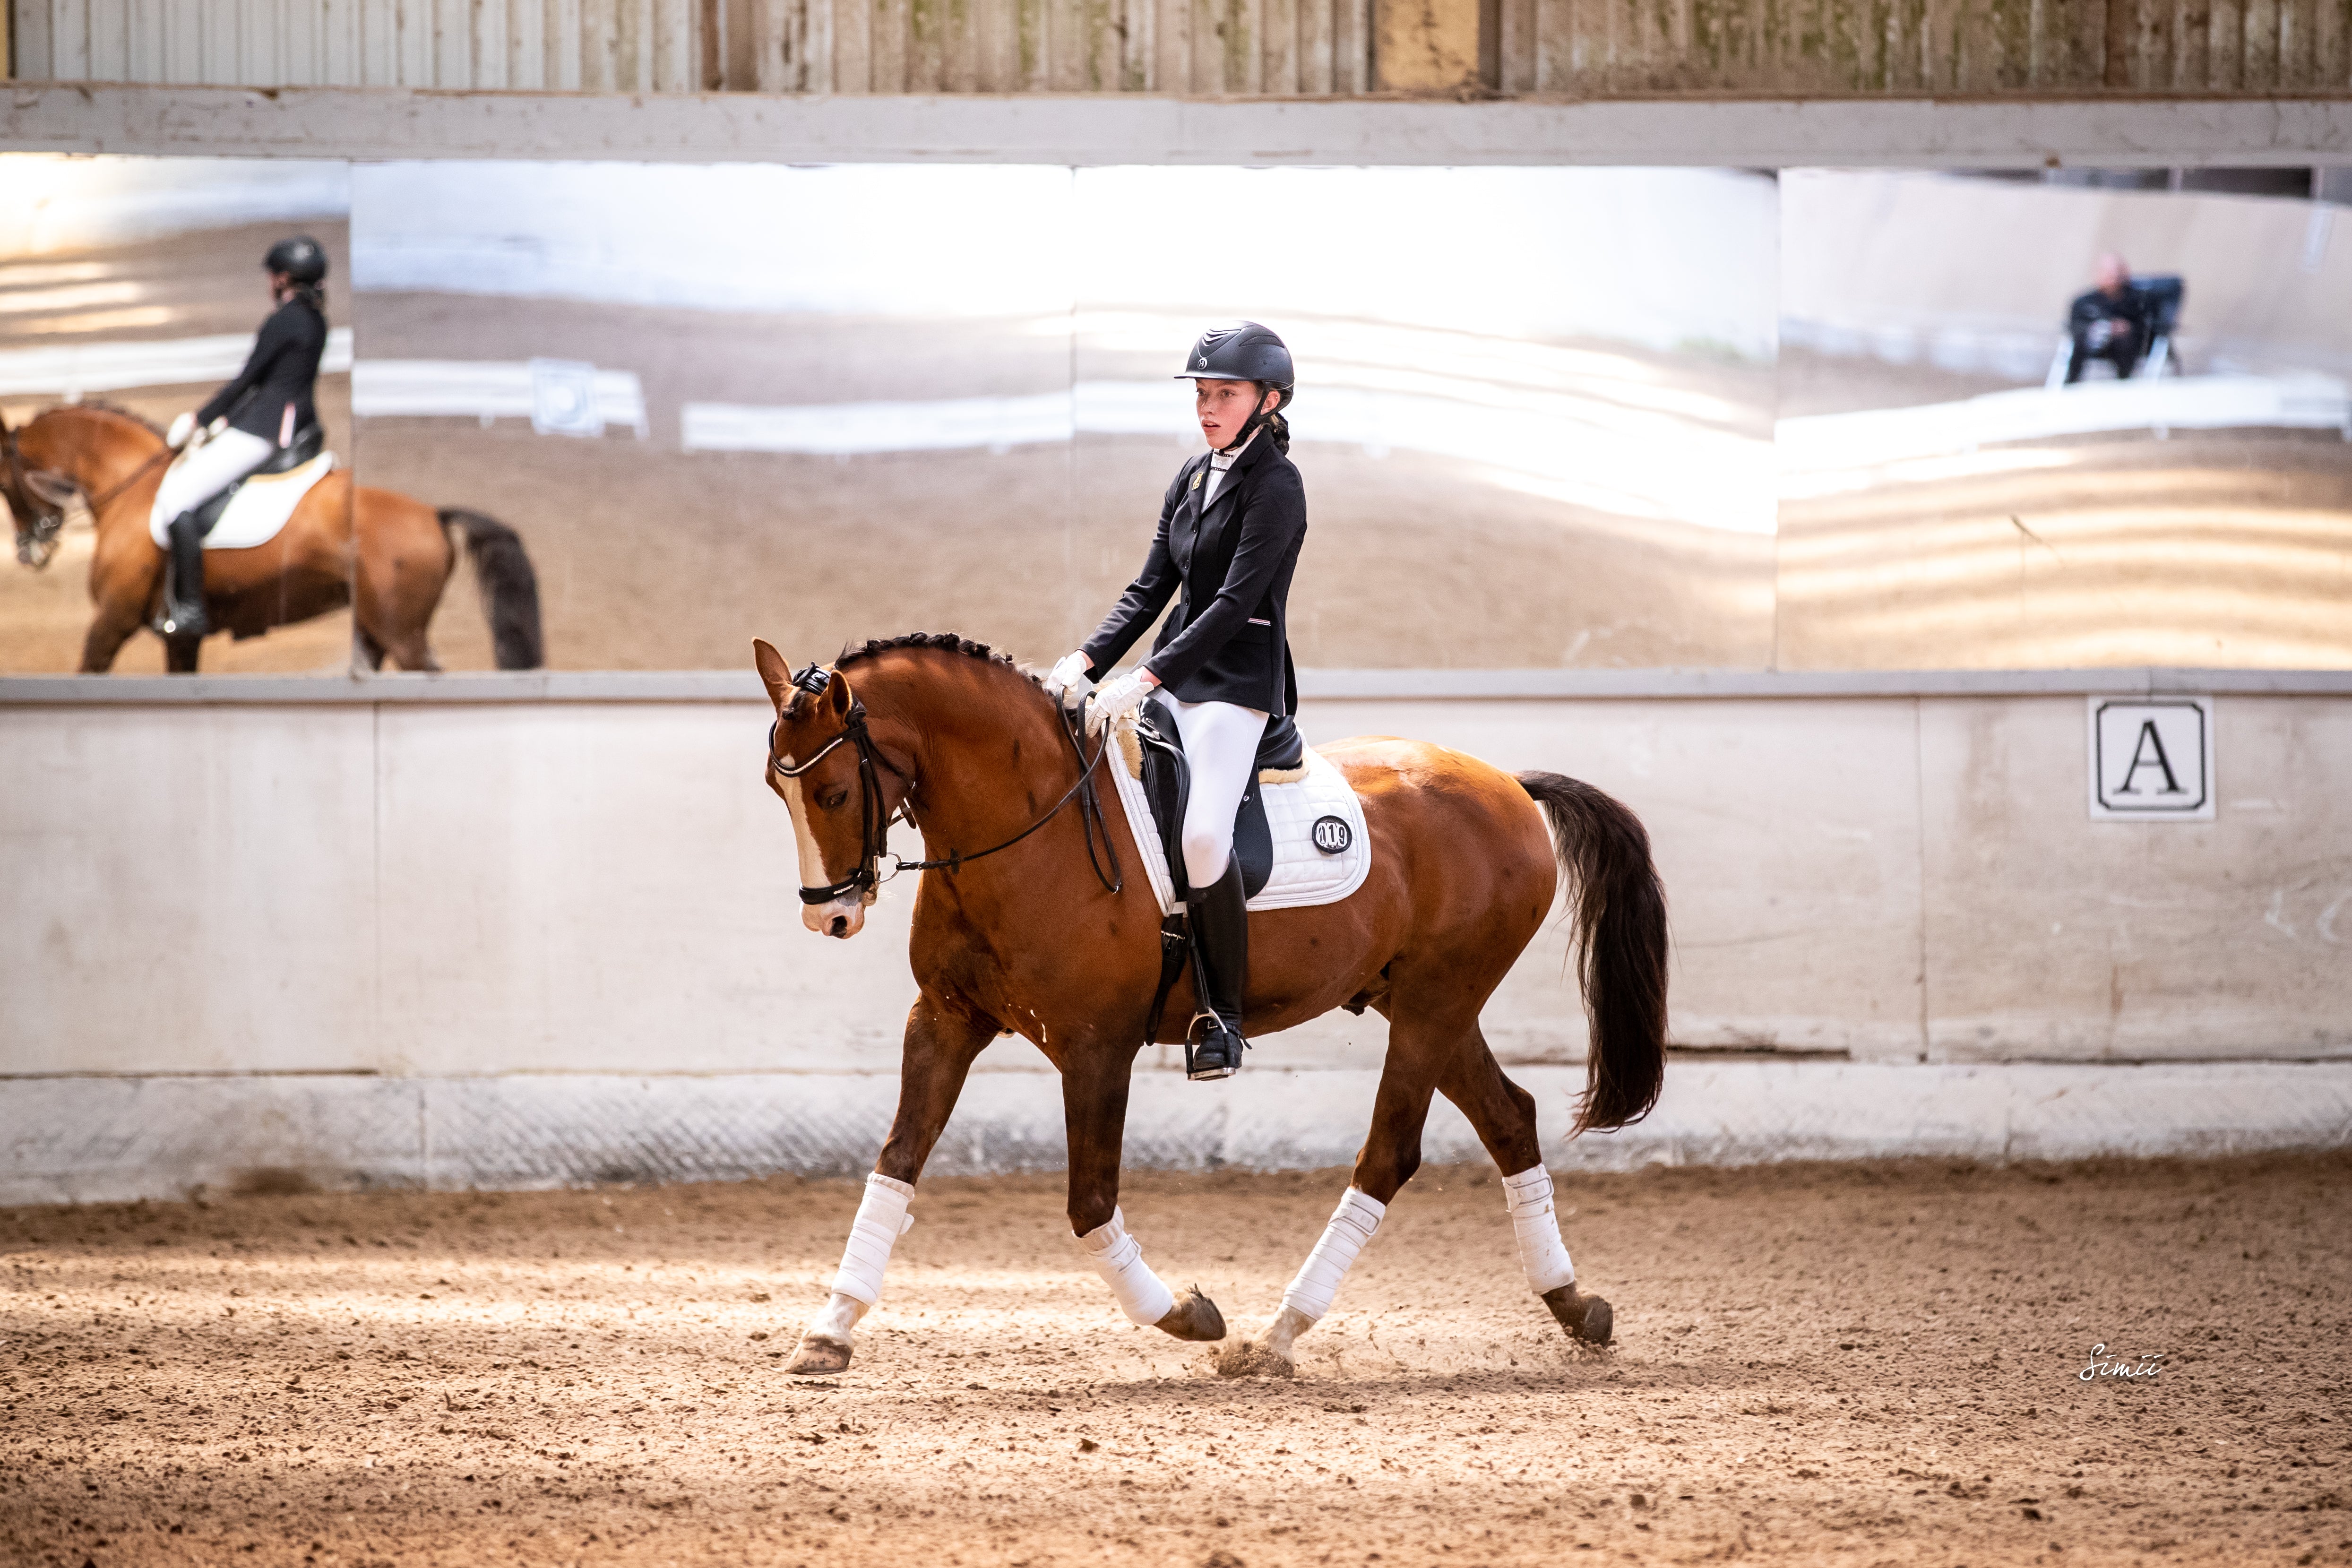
(345, 544)
(1030, 940)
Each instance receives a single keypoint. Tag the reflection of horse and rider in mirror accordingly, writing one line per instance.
(2125, 322)
(237, 518)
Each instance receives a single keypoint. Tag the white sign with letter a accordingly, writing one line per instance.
(2152, 759)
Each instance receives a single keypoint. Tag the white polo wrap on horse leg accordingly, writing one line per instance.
(1118, 1259)
(1352, 1224)
(1542, 1251)
(882, 1219)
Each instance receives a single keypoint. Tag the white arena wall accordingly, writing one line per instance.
(530, 930)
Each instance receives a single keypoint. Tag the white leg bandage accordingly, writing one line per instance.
(1541, 1252)
(882, 1219)
(1352, 1224)
(1118, 1259)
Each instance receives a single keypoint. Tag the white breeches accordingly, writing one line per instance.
(1221, 743)
(200, 475)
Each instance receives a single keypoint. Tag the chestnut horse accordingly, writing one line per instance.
(344, 543)
(1017, 933)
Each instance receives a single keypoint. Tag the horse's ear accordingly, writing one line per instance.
(774, 673)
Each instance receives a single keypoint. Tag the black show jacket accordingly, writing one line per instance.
(279, 373)
(1229, 640)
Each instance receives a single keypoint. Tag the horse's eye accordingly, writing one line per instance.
(832, 798)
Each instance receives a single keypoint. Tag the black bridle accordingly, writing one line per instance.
(48, 512)
(45, 518)
(875, 823)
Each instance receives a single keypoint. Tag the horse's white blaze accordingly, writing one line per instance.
(818, 918)
(849, 907)
(812, 857)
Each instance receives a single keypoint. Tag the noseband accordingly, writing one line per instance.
(47, 518)
(48, 512)
(875, 823)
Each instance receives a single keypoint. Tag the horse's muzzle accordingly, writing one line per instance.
(845, 917)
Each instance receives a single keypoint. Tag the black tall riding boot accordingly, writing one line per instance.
(1219, 917)
(184, 585)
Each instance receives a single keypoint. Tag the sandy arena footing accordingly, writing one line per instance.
(1868, 1364)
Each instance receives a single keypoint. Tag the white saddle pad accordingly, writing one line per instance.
(256, 512)
(1304, 872)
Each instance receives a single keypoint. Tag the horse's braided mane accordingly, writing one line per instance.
(99, 405)
(945, 642)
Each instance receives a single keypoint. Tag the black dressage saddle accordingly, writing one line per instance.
(308, 442)
(1167, 785)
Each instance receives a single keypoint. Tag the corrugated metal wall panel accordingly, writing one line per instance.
(628, 46)
(1575, 48)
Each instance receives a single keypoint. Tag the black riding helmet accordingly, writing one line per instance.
(1243, 352)
(300, 259)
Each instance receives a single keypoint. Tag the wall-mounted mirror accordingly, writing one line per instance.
(175, 351)
(2044, 423)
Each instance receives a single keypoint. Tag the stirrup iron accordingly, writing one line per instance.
(1212, 1052)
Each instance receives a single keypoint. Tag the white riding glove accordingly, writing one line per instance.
(1115, 700)
(182, 426)
(1068, 674)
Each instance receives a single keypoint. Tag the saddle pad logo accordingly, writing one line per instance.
(1331, 835)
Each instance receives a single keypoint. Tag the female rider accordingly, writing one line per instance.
(267, 406)
(1230, 529)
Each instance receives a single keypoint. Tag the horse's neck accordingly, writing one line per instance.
(972, 758)
(103, 460)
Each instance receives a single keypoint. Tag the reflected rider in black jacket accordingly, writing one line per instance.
(246, 422)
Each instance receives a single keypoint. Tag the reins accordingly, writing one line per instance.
(135, 475)
(875, 827)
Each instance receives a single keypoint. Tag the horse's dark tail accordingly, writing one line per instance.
(1621, 933)
(509, 586)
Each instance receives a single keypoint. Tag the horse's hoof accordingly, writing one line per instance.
(818, 1357)
(1247, 1358)
(1194, 1317)
(1586, 1318)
